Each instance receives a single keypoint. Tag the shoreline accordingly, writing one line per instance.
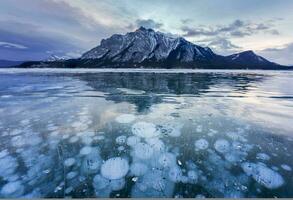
(130, 70)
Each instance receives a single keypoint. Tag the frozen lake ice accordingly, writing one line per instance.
(145, 133)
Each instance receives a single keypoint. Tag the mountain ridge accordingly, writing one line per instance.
(146, 48)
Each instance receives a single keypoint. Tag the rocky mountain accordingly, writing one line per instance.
(150, 49)
(145, 45)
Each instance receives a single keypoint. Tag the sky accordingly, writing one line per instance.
(37, 29)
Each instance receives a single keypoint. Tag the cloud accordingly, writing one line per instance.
(220, 45)
(148, 23)
(12, 45)
(53, 26)
(237, 28)
(186, 21)
(282, 54)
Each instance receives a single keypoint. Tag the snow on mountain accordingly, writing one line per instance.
(54, 58)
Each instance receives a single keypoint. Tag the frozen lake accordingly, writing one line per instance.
(146, 133)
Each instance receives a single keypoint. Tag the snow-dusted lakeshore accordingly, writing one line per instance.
(145, 133)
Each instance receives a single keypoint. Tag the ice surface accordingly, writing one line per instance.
(201, 144)
(12, 189)
(117, 184)
(71, 175)
(125, 118)
(138, 169)
(286, 167)
(85, 150)
(167, 160)
(121, 139)
(8, 165)
(263, 156)
(69, 162)
(173, 130)
(175, 174)
(222, 146)
(193, 176)
(115, 168)
(263, 175)
(92, 161)
(73, 139)
(133, 140)
(145, 130)
(143, 151)
(99, 182)
(54, 142)
(4, 153)
(156, 144)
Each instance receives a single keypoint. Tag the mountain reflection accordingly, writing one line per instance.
(153, 87)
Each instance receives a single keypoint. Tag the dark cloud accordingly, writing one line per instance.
(148, 23)
(238, 28)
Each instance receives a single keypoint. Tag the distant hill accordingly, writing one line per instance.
(146, 48)
(9, 63)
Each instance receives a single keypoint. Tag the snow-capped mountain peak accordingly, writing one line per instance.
(147, 45)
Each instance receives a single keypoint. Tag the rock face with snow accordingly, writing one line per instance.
(147, 46)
